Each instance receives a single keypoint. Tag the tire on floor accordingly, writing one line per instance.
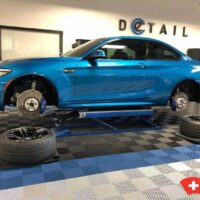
(21, 147)
(190, 126)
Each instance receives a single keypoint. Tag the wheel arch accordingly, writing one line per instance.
(192, 84)
(9, 88)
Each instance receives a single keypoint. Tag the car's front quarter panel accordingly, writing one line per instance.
(49, 68)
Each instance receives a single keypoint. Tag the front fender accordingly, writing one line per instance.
(60, 81)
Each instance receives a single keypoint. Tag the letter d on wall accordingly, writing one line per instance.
(122, 25)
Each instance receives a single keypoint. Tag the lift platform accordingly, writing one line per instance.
(76, 123)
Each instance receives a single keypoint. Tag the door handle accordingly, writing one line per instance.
(142, 66)
(69, 70)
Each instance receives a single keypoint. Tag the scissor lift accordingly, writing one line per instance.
(76, 123)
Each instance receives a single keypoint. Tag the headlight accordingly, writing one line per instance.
(5, 71)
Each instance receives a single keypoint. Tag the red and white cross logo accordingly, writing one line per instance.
(191, 185)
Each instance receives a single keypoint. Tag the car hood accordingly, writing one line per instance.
(46, 59)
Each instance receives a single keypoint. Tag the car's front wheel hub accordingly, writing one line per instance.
(181, 103)
(31, 104)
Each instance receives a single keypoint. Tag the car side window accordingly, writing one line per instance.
(126, 49)
(157, 51)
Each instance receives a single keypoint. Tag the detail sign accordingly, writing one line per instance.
(139, 26)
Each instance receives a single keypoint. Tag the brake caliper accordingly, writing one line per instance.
(173, 105)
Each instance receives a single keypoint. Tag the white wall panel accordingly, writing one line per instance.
(89, 19)
(23, 44)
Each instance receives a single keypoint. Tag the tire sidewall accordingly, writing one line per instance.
(5, 140)
(29, 151)
(189, 128)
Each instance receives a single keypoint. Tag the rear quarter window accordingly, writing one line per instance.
(157, 51)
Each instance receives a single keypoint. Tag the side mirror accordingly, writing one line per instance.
(97, 54)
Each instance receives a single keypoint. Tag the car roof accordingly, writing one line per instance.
(129, 37)
(134, 37)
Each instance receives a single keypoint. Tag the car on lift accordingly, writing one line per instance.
(112, 73)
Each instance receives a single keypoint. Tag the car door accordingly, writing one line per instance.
(123, 76)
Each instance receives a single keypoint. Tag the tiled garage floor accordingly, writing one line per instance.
(133, 165)
(88, 146)
(95, 145)
(161, 182)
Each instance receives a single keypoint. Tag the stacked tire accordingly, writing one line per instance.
(192, 108)
(190, 126)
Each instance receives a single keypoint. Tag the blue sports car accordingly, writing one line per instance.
(112, 73)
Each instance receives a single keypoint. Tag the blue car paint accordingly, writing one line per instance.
(108, 82)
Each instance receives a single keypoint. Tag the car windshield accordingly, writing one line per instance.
(82, 49)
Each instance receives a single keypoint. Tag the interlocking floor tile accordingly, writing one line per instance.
(106, 191)
(124, 151)
(134, 195)
(150, 171)
(118, 185)
(156, 194)
(175, 177)
(89, 146)
(98, 179)
(174, 192)
(162, 180)
(180, 167)
(85, 194)
(143, 183)
(125, 187)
